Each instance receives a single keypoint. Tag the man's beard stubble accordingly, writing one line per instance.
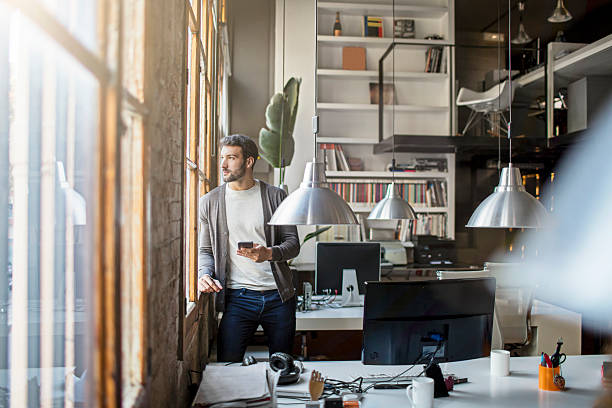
(236, 175)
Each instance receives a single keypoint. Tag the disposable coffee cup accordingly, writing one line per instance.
(500, 363)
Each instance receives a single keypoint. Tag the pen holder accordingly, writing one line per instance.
(545, 378)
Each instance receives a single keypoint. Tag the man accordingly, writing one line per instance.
(253, 285)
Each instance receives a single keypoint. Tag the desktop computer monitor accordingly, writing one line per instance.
(405, 321)
(334, 257)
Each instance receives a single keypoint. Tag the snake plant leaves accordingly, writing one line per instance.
(280, 121)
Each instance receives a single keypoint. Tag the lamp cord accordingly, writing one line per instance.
(315, 122)
(393, 101)
(282, 128)
(510, 84)
(498, 92)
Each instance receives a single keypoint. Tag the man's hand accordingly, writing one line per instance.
(258, 253)
(207, 284)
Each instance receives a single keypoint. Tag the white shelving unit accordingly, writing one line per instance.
(423, 102)
(381, 176)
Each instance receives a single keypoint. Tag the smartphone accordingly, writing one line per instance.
(245, 244)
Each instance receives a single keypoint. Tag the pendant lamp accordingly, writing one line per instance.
(560, 14)
(313, 203)
(510, 205)
(522, 37)
(393, 206)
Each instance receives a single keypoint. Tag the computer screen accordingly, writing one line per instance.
(404, 321)
(333, 257)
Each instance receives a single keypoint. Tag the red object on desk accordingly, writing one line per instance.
(548, 362)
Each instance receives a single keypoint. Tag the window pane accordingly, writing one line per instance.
(46, 262)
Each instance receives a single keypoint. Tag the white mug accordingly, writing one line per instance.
(500, 363)
(421, 392)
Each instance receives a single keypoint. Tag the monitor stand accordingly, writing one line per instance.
(350, 288)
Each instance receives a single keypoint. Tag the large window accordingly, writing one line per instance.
(71, 139)
(206, 56)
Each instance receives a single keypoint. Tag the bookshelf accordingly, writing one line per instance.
(423, 102)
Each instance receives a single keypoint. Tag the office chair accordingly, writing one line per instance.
(513, 301)
(488, 103)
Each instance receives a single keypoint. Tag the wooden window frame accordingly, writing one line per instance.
(113, 99)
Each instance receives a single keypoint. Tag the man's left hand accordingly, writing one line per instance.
(258, 253)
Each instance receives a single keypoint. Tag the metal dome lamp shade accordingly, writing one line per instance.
(393, 206)
(510, 205)
(560, 14)
(313, 203)
(522, 37)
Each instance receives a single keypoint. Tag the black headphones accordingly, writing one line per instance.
(290, 369)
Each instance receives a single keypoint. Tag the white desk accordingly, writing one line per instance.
(520, 389)
(551, 321)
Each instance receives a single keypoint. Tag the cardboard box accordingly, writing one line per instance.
(354, 58)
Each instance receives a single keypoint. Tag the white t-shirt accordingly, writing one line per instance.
(245, 222)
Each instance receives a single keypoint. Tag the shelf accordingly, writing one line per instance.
(584, 60)
(386, 174)
(349, 74)
(346, 140)
(383, 10)
(374, 107)
(377, 41)
(416, 144)
(367, 207)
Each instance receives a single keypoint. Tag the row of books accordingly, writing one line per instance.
(334, 156)
(425, 224)
(435, 60)
(429, 193)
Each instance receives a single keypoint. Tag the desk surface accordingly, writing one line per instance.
(351, 318)
(520, 389)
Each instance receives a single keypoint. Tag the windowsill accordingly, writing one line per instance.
(190, 307)
(191, 317)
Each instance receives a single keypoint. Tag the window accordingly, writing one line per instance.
(71, 138)
(204, 90)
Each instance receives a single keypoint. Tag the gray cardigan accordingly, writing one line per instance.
(213, 246)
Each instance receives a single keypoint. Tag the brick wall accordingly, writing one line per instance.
(165, 76)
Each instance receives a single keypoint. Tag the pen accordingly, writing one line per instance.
(548, 362)
(542, 361)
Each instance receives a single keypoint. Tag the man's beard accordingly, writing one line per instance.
(235, 175)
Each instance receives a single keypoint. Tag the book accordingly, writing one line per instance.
(372, 26)
(388, 93)
(341, 159)
(354, 58)
(433, 59)
(329, 154)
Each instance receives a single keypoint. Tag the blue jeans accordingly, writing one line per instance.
(245, 310)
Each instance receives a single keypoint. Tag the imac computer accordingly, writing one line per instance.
(338, 262)
(437, 320)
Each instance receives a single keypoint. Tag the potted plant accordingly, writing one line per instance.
(276, 142)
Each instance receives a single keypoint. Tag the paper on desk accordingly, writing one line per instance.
(299, 389)
(237, 386)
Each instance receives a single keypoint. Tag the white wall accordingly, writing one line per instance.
(299, 62)
(251, 25)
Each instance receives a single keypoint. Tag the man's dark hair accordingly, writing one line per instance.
(249, 148)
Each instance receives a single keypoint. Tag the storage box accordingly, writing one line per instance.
(354, 58)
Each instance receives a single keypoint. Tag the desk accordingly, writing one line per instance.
(520, 389)
(551, 322)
